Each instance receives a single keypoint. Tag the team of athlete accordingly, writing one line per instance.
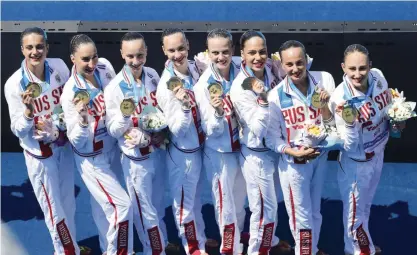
(241, 121)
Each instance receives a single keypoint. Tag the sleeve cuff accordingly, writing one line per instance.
(329, 121)
(350, 125)
(218, 116)
(28, 119)
(281, 148)
(262, 103)
(82, 125)
(186, 110)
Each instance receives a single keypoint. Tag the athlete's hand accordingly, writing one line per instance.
(324, 96)
(157, 138)
(217, 103)
(182, 96)
(398, 126)
(81, 108)
(27, 100)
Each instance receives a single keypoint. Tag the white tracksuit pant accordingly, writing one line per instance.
(106, 191)
(260, 172)
(229, 196)
(184, 174)
(358, 182)
(145, 184)
(53, 184)
(301, 186)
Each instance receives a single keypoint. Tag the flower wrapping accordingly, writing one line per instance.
(202, 61)
(45, 130)
(136, 137)
(400, 110)
(313, 135)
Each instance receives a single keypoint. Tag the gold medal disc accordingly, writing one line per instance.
(315, 100)
(83, 96)
(174, 82)
(35, 88)
(127, 107)
(215, 89)
(349, 114)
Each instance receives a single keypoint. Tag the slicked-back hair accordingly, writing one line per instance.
(248, 35)
(171, 31)
(79, 39)
(33, 30)
(356, 48)
(220, 33)
(292, 44)
(131, 36)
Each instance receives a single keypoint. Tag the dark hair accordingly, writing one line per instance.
(248, 35)
(171, 31)
(355, 48)
(33, 30)
(131, 36)
(220, 32)
(79, 39)
(292, 44)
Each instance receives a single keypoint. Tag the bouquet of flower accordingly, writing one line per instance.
(45, 130)
(58, 118)
(400, 110)
(153, 122)
(313, 135)
(202, 61)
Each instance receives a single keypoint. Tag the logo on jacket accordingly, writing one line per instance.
(58, 78)
(108, 76)
(379, 85)
(154, 82)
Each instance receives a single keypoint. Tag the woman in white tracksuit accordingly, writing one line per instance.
(222, 146)
(366, 90)
(301, 169)
(183, 157)
(85, 114)
(136, 85)
(48, 155)
(258, 162)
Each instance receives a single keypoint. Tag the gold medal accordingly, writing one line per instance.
(315, 100)
(349, 114)
(174, 82)
(127, 107)
(215, 89)
(35, 88)
(83, 96)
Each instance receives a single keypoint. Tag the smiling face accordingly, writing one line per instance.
(34, 48)
(254, 53)
(85, 59)
(294, 63)
(175, 47)
(356, 67)
(220, 52)
(134, 53)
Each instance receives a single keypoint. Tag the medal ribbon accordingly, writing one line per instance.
(225, 84)
(27, 76)
(81, 84)
(305, 99)
(349, 94)
(132, 84)
(188, 84)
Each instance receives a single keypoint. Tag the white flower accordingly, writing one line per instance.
(399, 110)
(153, 122)
(313, 135)
(202, 61)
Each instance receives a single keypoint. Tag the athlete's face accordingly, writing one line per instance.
(220, 52)
(254, 53)
(85, 59)
(134, 53)
(176, 48)
(294, 63)
(356, 67)
(34, 49)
